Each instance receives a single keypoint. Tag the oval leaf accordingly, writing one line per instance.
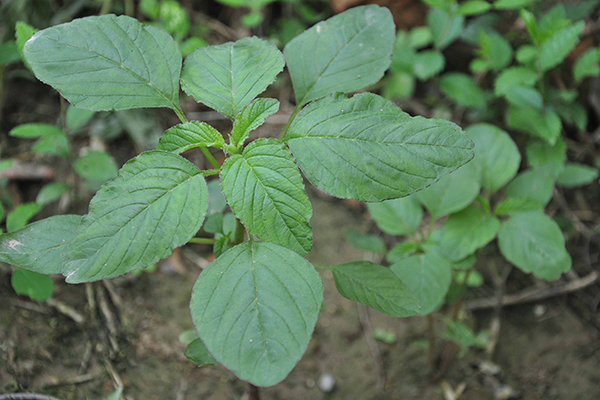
(398, 216)
(251, 117)
(367, 149)
(197, 353)
(37, 286)
(108, 63)
(496, 156)
(375, 286)
(342, 54)
(229, 76)
(156, 203)
(40, 246)
(428, 276)
(467, 231)
(188, 135)
(255, 308)
(265, 191)
(534, 243)
(453, 192)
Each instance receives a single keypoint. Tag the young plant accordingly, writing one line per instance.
(430, 261)
(256, 305)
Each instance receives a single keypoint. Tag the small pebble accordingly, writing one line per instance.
(326, 383)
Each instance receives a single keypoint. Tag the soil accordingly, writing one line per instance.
(541, 355)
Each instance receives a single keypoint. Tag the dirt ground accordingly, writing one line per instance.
(541, 355)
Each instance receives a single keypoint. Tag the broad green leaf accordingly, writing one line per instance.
(366, 148)
(473, 7)
(514, 77)
(467, 231)
(197, 353)
(404, 55)
(23, 32)
(540, 153)
(496, 156)
(517, 205)
(399, 85)
(588, 64)
(345, 53)
(9, 53)
(216, 200)
(77, 118)
(366, 242)
(53, 140)
(420, 37)
(555, 49)
(572, 113)
(536, 184)
(527, 55)
(463, 336)
(526, 97)
(401, 251)
(580, 9)
(474, 279)
(188, 336)
(40, 246)
(37, 286)
(511, 4)
(545, 125)
(532, 26)
(441, 4)
(251, 117)
(462, 89)
(428, 63)
(157, 202)
(52, 192)
(229, 76)
(576, 175)
(465, 263)
(20, 216)
(255, 308)
(495, 49)
(108, 63)
(265, 191)
(444, 27)
(428, 276)
(188, 135)
(375, 286)
(96, 167)
(174, 19)
(453, 192)
(553, 21)
(534, 243)
(398, 216)
(191, 44)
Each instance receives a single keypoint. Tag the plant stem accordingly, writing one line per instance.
(287, 125)
(254, 392)
(239, 232)
(180, 114)
(129, 7)
(205, 151)
(431, 340)
(210, 158)
(106, 6)
(202, 240)
(210, 172)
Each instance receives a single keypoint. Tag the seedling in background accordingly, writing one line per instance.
(430, 261)
(256, 305)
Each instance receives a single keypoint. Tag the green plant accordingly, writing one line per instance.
(256, 305)
(488, 199)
